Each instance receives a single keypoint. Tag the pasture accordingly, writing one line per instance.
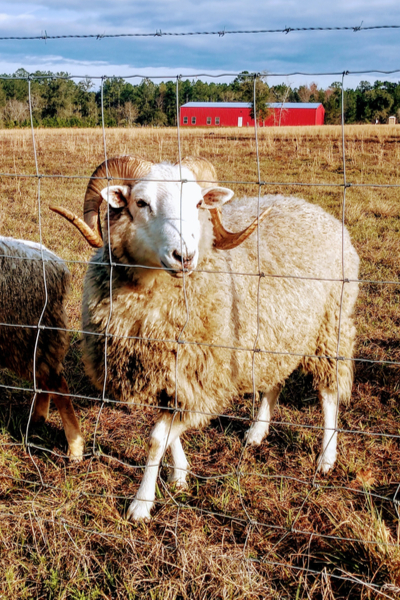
(254, 523)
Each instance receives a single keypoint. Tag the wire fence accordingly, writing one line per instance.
(220, 33)
(240, 470)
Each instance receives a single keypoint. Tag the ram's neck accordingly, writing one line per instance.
(124, 272)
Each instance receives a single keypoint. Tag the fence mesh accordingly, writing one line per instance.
(303, 564)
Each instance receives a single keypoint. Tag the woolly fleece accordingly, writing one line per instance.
(22, 298)
(299, 300)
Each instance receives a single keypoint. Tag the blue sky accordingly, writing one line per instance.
(169, 56)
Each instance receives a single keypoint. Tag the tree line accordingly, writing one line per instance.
(58, 101)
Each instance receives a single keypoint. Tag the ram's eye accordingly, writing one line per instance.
(200, 202)
(141, 203)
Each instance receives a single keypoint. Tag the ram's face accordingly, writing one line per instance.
(165, 227)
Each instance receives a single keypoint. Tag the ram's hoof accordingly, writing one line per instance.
(325, 462)
(75, 450)
(139, 510)
(255, 435)
(179, 482)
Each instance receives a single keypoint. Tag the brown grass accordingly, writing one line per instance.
(65, 536)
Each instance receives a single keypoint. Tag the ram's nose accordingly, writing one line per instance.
(187, 260)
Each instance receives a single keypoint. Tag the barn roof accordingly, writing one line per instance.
(313, 105)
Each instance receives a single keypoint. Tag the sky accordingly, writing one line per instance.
(167, 57)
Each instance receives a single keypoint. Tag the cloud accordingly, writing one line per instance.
(313, 52)
(99, 69)
(207, 14)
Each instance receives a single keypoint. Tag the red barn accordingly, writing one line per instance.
(237, 114)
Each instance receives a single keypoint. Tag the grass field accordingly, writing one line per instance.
(62, 528)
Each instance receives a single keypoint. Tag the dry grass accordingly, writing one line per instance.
(66, 537)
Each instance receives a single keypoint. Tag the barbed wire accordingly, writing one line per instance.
(239, 470)
(219, 33)
(196, 75)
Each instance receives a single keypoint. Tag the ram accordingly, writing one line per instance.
(26, 303)
(190, 302)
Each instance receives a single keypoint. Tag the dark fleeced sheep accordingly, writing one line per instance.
(22, 299)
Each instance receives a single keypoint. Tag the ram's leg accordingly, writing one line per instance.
(179, 460)
(165, 432)
(327, 458)
(72, 429)
(260, 427)
(41, 408)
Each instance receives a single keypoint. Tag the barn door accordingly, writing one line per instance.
(240, 121)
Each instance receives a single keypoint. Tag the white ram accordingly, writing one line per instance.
(192, 363)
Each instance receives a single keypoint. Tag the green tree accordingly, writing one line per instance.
(58, 96)
(253, 89)
(333, 104)
(379, 104)
(146, 95)
(350, 106)
(85, 103)
(16, 89)
(3, 97)
(281, 93)
(170, 102)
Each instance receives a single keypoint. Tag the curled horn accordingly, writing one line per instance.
(94, 239)
(206, 174)
(226, 240)
(123, 170)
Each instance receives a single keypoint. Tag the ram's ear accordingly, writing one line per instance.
(116, 195)
(214, 197)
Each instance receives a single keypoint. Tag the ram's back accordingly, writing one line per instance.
(295, 238)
